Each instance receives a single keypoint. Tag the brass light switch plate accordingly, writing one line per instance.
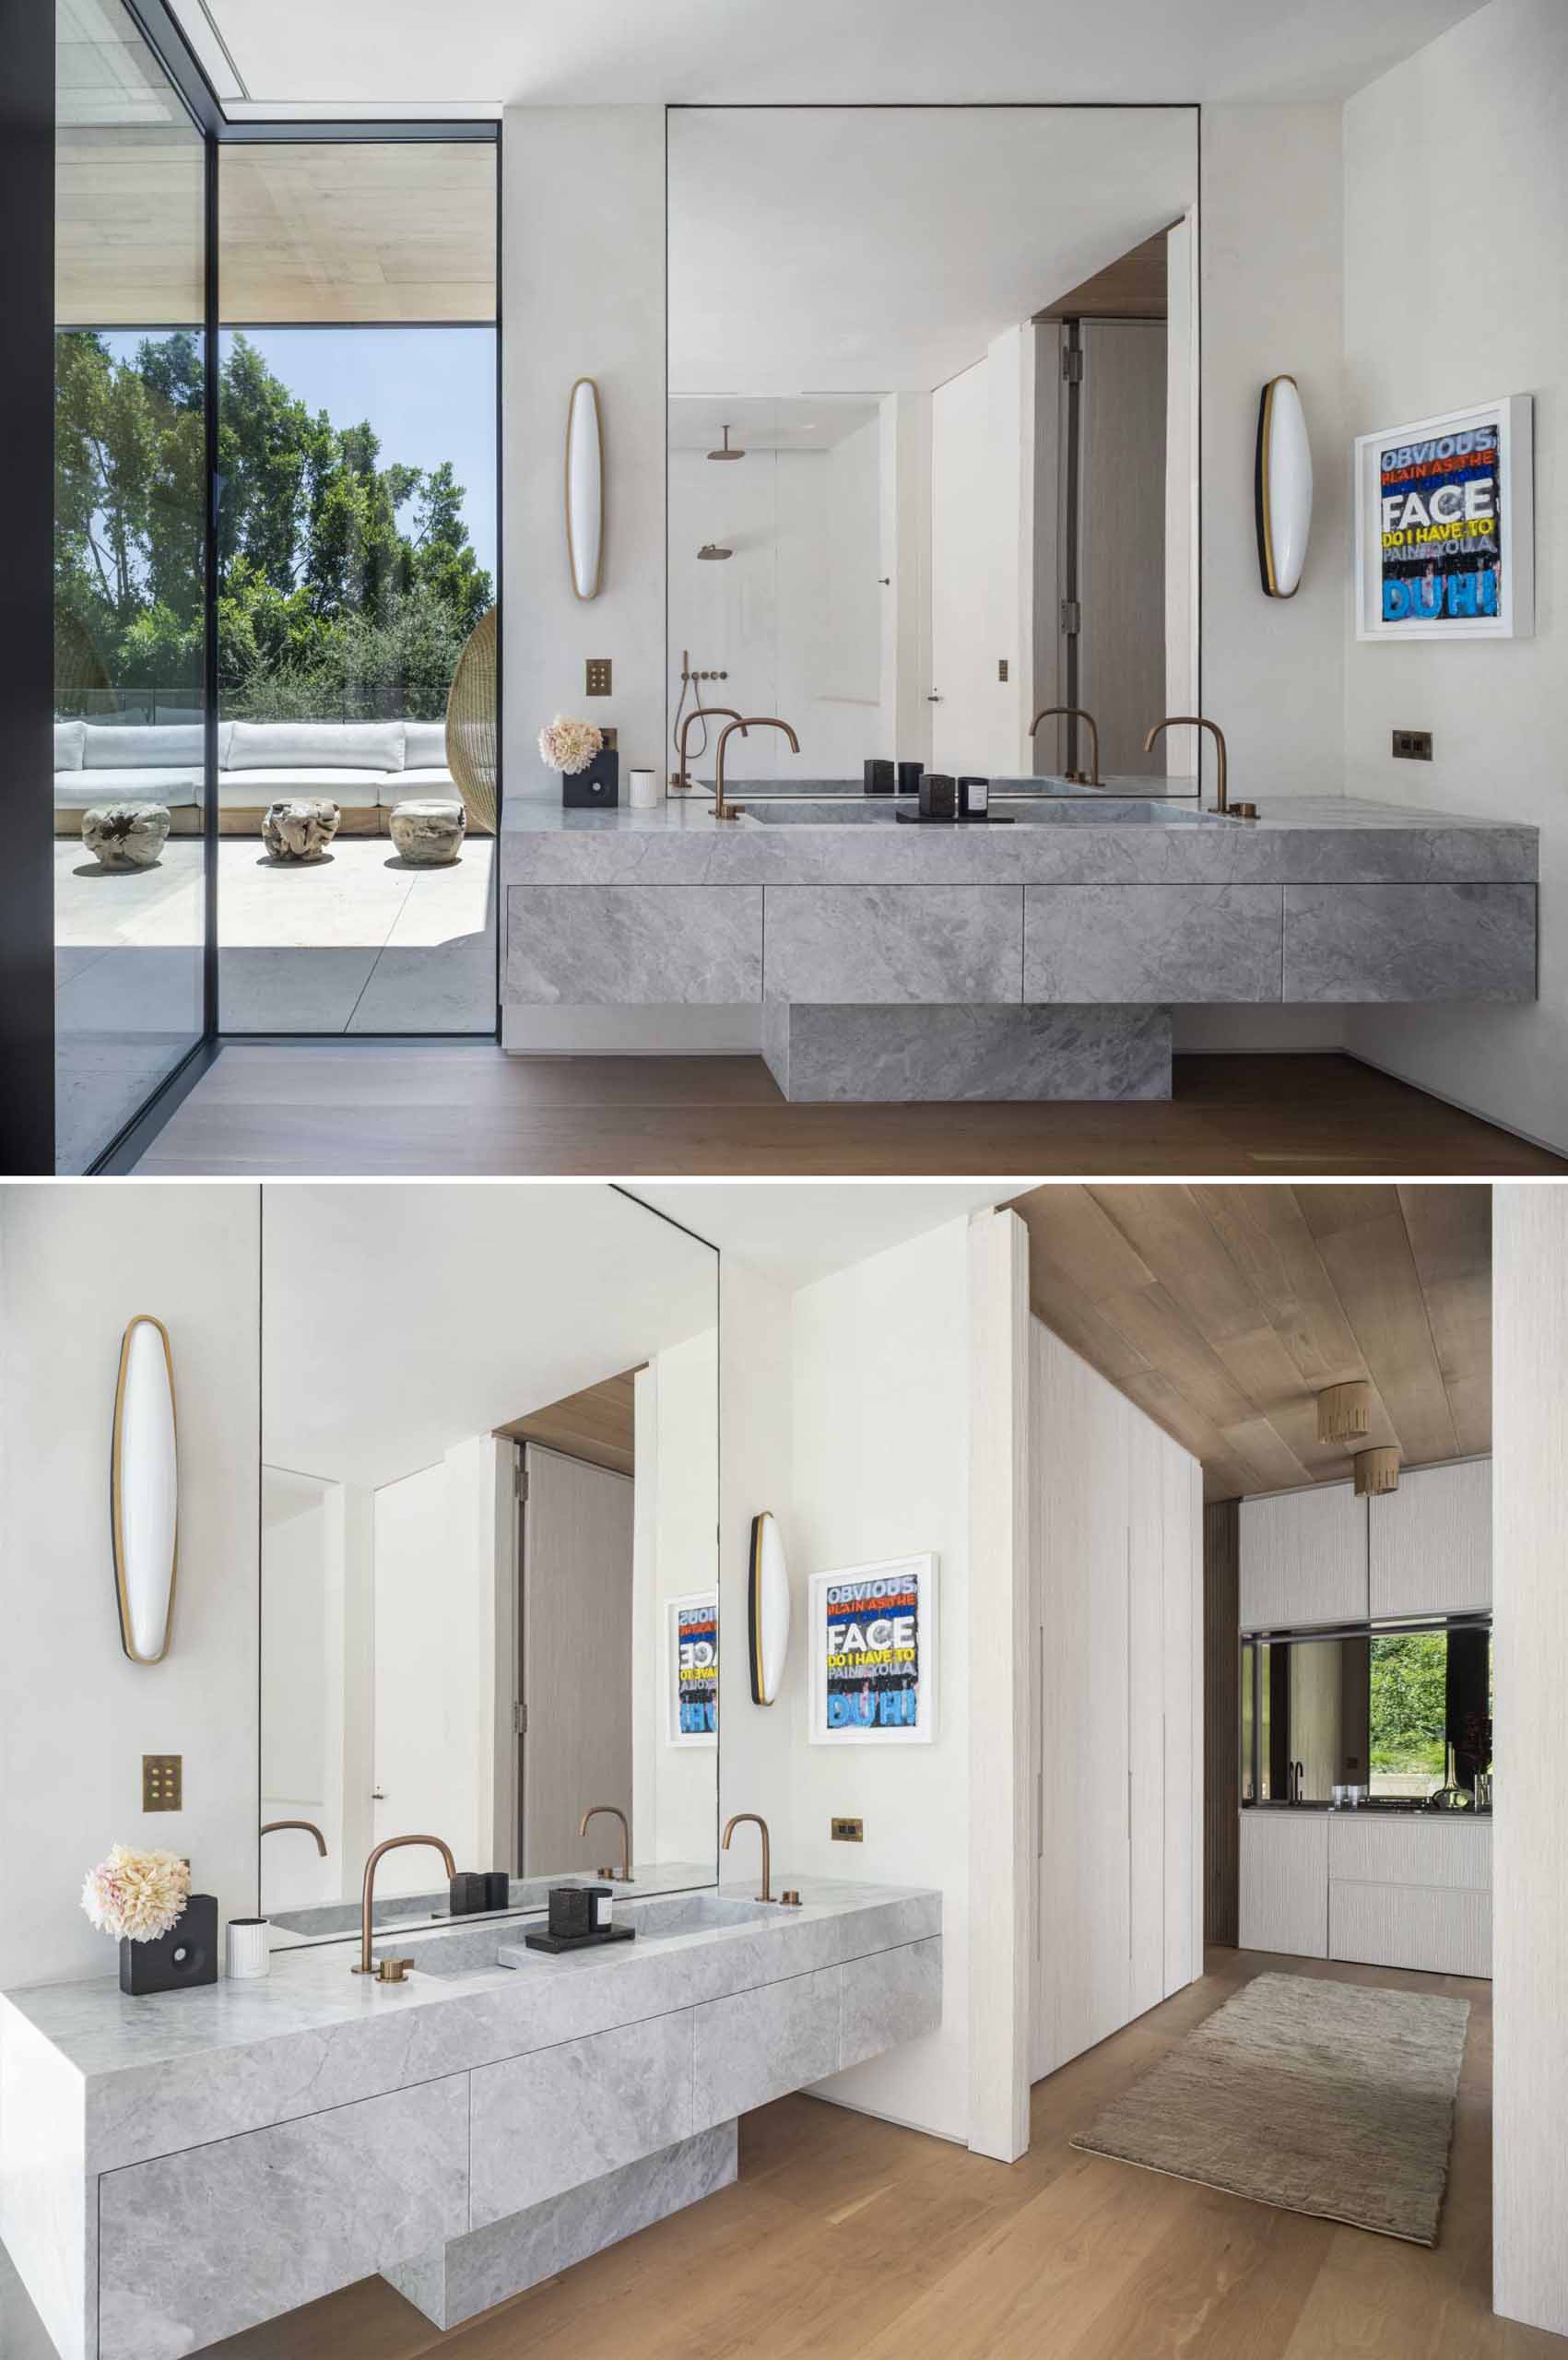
(163, 1782)
(1001, 668)
(849, 1831)
(598, 680)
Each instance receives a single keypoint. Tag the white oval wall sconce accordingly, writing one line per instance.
(585, 488)
(1283, 489)
(143, 1490)
(767, 1609)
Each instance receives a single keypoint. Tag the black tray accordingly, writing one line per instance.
(935, 820)
(554, 1942)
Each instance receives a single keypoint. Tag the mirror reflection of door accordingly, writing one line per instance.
(575, 1657)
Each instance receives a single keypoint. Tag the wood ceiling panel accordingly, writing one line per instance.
(598, 1424)
(1223, 1310)
(1134, 287)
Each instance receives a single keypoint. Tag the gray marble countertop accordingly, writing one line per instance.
(418, 1913)
(311, 2035)
(1328, 839)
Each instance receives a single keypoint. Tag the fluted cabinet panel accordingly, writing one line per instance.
(1431, 1541)
(1284, 1882)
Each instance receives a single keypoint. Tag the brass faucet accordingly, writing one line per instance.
(623, 1874)
(757, 1821)
(1075, 713)
(271, 1827)
(390, 1970)
(680, 783)
(723, 810)
(1197, 721)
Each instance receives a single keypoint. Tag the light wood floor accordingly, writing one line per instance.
(845, 2236)
(452, 1110)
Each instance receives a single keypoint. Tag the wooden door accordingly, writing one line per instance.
(1148, 1639)
(1182, 1497)
(1121, 539)
(1303, 1558)
(1430, 1542)
(574, 1628)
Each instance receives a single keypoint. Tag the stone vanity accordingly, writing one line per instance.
(1036, 960)
(175, 2169)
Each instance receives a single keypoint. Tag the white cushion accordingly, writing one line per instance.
(253, 790)
(67, 744)
(74, 790)
(424, 745)
(309, 745)
(106, 747)
(400, 785)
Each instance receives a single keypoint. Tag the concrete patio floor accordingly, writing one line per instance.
(358, 942)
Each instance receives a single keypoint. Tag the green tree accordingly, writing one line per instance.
(1410, 1709)
(347, 582)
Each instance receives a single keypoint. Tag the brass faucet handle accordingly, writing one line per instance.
(392, 1970)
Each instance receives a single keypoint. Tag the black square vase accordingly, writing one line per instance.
(596, 789)
(187, 1954)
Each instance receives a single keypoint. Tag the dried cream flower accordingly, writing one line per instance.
(570, 746)
(137, 1894)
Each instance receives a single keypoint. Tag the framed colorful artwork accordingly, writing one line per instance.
(1444, 525)
(691, 1677)
(874, 1654)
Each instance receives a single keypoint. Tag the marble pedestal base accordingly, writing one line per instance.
(882, 1053)
(468, 2274)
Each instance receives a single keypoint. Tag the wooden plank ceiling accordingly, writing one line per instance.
(1223, 1310)
(1132, 288)
(596, 1424)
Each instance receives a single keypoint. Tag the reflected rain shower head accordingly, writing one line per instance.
(727, 452)
(711, 549)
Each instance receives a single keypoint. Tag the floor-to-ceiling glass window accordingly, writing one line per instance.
(357, 569)
(129, 577)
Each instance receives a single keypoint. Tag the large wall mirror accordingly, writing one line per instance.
(490, 1510)
(933, 435)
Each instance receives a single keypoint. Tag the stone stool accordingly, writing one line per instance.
(429, 834)
(301, 829)
(126, 835)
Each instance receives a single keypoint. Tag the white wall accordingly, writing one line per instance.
(880, 1395)
(76, 1262)
(1531, 1859)
(582, 246)
(435, 1542)
(983, 561)
(756, 1416)
(1454, 283)
(678, 1449)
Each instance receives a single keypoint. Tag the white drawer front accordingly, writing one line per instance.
(1411, 1925)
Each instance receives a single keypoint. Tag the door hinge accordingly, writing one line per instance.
(520, 1480)
(1072, 617)
(1072, 364)
(520, 1720)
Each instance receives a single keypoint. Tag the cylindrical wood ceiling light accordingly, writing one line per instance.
(1344, 1411)
(1377, 1470)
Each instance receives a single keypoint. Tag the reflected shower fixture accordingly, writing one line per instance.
(711, 549)
(144, 1490)
(727, 452)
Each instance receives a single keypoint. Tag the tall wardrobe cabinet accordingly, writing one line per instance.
(1116, 1559)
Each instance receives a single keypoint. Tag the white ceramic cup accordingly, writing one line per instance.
(247, 1956)
(644, 790)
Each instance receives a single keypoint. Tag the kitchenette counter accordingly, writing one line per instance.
(1037, 960)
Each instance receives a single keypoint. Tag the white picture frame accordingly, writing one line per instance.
(678, 1614)
(1512, 494)
(829, 1686)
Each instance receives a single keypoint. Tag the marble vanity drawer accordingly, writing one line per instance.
(757, 2045)
(1410, 942)
(633, 945)
(866, 945)
(1111, 944)
(890, 1997)
(549, 2121)
(196, 2246)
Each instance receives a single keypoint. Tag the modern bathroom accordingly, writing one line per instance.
(463, 1627)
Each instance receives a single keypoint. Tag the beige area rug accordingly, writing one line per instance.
(1328, 2099)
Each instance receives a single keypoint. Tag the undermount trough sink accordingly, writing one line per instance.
(1047, 811)
(485, 1947)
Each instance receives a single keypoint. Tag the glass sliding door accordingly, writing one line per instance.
(130, 638)
(357, 560)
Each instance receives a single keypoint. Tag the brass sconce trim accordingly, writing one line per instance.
(123, 1570)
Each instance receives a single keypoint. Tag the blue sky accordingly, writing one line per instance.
(429, 393)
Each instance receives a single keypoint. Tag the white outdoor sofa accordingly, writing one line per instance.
(366, 767)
